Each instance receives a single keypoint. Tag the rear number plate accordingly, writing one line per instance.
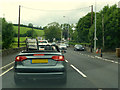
(39, 61)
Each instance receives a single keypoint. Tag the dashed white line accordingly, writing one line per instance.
(116, 62)
(7, 65)
(6, 71)
(66, 61)
(78, 71)
(112, 61)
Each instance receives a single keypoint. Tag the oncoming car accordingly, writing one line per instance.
(47, 63)
(79, 47)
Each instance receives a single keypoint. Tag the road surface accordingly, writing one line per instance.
(83, 71)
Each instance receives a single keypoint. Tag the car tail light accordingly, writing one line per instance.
(58, 58)
(20, 58)
(38, 55)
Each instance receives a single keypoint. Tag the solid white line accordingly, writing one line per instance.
(78, 71)
(6, 71)
(66, 61)
(7, 65)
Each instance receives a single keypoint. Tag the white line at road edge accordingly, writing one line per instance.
(78, 71)
(66, 61)
(7, 65)
(6, 71)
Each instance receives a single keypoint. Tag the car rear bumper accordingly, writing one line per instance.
(80, 49)
(50, 75)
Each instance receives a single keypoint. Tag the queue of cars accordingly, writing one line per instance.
(44, 62)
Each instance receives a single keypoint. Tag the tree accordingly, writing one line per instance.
(7, 34)
(31, 33)
(52, 32)
(30, 25)
(83, 26)
(111, 30)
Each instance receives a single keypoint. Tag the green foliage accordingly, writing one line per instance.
(65, 29)
(23, 31)
(7, 34)
(31, 33)
(30, 25)
(52, 32)
(22, 39)
(73, 43)
(111, 28)
(83, 28)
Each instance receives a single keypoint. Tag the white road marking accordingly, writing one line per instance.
(6, 71)
(112, 61)
(92, 57)
(78, 71)
(66, 61)
(116, 62)
(7, 65)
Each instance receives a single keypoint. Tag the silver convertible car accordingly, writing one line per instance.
(45, 62)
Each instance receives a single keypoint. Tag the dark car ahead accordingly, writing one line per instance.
(44, 63)
(78, 47)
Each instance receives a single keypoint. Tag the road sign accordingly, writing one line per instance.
(96, 38)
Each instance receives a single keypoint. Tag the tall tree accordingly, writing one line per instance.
(7, 34)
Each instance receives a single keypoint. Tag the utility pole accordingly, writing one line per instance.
(68, 29)
(91, 15)
(19, 27)
(103, 30)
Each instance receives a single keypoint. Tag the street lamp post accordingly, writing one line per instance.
(95, 38)
(68, 28)
(61, 33)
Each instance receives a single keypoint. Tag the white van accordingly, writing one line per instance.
(43, 42)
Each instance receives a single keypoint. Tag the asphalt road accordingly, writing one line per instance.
(83, 71)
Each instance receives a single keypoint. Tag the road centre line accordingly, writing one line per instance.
(6, 71)
(100, 58)
(116, 62)
(78, 71)
(66, 61)
(7, 65)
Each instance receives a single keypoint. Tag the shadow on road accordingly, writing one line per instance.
(41, 84)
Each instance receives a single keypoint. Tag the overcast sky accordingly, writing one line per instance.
(42, 12)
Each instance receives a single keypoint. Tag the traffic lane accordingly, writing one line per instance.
(99, 72)
(74, 80)
(8, 58)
